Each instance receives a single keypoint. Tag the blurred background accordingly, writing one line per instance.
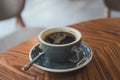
(51, 13)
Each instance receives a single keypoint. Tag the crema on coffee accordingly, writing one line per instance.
(60, 38)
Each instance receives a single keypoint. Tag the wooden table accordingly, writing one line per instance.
(102, 35)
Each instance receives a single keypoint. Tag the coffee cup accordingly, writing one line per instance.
(61, 44)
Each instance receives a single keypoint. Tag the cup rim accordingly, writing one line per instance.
(61, 45)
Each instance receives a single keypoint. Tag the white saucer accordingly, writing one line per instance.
(44, 63)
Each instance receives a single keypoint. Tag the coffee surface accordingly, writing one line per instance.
(60, 38)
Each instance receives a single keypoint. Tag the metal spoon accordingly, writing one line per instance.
(28, 65)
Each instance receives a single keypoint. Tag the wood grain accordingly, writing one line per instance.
(102, 35)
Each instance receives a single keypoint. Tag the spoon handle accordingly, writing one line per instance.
(28, 65)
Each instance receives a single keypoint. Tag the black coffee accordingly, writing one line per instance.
(60, 38)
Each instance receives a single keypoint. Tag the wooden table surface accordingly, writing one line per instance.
(102, 35)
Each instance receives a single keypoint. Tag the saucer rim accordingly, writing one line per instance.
(61, 70)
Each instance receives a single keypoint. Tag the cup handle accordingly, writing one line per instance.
(78, 54)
